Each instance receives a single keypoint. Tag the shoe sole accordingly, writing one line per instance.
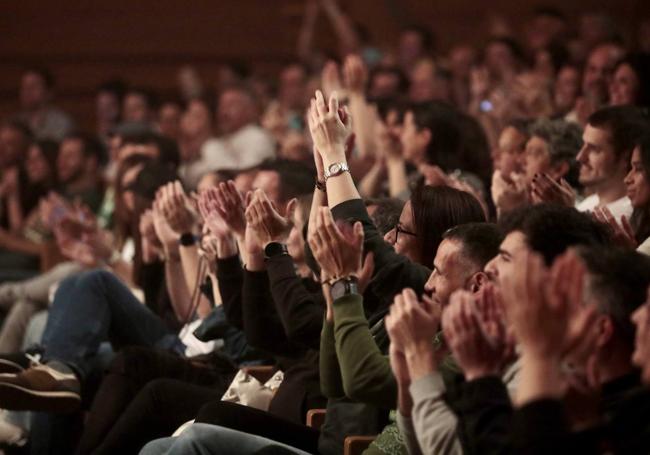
(7, 366)
(18, 398)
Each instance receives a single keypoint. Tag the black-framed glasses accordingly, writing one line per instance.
(398, 229)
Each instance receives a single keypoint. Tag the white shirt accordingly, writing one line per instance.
(245, 148)
(619, 207)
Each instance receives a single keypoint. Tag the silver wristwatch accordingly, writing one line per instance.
(335, 169)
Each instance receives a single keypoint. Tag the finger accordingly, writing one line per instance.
(358, 235)
(334, 104)
(291, 209)
(321, 107)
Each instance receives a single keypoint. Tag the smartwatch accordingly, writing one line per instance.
(335, 169)
(274, 249)
(344, 286)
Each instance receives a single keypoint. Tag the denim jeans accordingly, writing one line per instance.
(203, 439)
(94, 307)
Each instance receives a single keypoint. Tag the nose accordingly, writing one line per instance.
(581, 157)
(491, 270)
(389, 237)
(628, 178)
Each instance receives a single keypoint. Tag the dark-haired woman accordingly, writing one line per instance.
(638, 190)
(630, 84)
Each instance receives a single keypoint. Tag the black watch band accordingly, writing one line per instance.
(320, 184)
(187, 239)
(274, 249)
(345, 286)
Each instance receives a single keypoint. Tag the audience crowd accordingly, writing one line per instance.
(387, 250)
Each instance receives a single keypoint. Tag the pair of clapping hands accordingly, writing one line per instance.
(542, 308)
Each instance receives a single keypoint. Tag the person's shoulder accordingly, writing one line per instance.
(588, 203)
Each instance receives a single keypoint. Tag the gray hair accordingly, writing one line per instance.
(564, 138)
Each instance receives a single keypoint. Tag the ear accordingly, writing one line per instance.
(425, 136)
(605, 331)
(477, 281)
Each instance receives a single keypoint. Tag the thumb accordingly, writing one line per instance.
(291, 209)
(358, 234)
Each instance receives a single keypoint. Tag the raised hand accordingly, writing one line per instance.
(225, 203)
(339, 252)
(330, 79)
(546, 190)
(265, 219)
(355, 74)
(412, 324)
(177, 208)
(165, 234)
(476, 335)
(330, 127)
(623, 234)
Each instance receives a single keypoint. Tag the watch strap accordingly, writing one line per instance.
(187, 239)
(274, 249)
(344, 286)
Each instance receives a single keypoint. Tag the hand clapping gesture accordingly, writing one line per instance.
(338, 251)
(224, 202)
(623, 233)
(177, 208)
(265, 219)
(330, 127)
(546, 190)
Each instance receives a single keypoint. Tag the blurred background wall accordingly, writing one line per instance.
(85, 42)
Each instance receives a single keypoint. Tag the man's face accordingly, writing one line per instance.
(410, 47)
(235, 111)
(599, 69)
(135, 108)
(269, 181)
(107, 106)
(641, 319)
(598, 162)
(292, 87)
(12, 146)
(169, 120)
(195, 120)
(70, 163)
(384, 85)
(567, 87)
(33, 92)
(450, 272)
(503, 263)
(508, 157)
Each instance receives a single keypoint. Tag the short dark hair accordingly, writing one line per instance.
(149, 95)
(403, 80)
(435, 210)
(167, 148)
(116, 87)
(45, 74)
(551, 229)
(296, 178)
(619, 281)
(91, 145)
(387, 214)
(625, 125)
(153, 175)
(480, 241)
(425, 34)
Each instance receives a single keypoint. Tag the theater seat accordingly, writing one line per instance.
(353, 445)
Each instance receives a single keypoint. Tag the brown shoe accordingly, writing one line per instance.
(40, 388)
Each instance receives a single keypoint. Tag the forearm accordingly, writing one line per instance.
(363, 125)
(541, 378)
(397, 179)
(330, 371)
(340, 188)
(370, 185)
(348, 40)
(176, 287)
(420, 359)
(15, 214)
(15, 243)
(366, 372)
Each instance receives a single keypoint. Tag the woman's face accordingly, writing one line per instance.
(128, 179)
(36, 165)
(624, 87)
(403, 236)
(414, 142)
(636, 181)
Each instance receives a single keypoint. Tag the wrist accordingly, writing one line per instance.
(474, 373)
(335, 154)
(420, 358)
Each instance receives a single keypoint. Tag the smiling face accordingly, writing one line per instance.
(503, 263)
(450, 272)
(624, 87)
(509, 153)
(636, 181)
(598, 162)
(404, 241)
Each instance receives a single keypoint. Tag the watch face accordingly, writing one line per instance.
(334, 168)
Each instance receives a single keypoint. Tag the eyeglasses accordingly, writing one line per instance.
(396, 231)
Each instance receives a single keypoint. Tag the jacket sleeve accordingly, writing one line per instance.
(434, 422)
(230, 277)
(330, 371)
(366, 373)
(261, 323)
(301, 312)
(402, 272)
(484, 413)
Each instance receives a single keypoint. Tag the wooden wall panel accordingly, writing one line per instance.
(85, 42)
